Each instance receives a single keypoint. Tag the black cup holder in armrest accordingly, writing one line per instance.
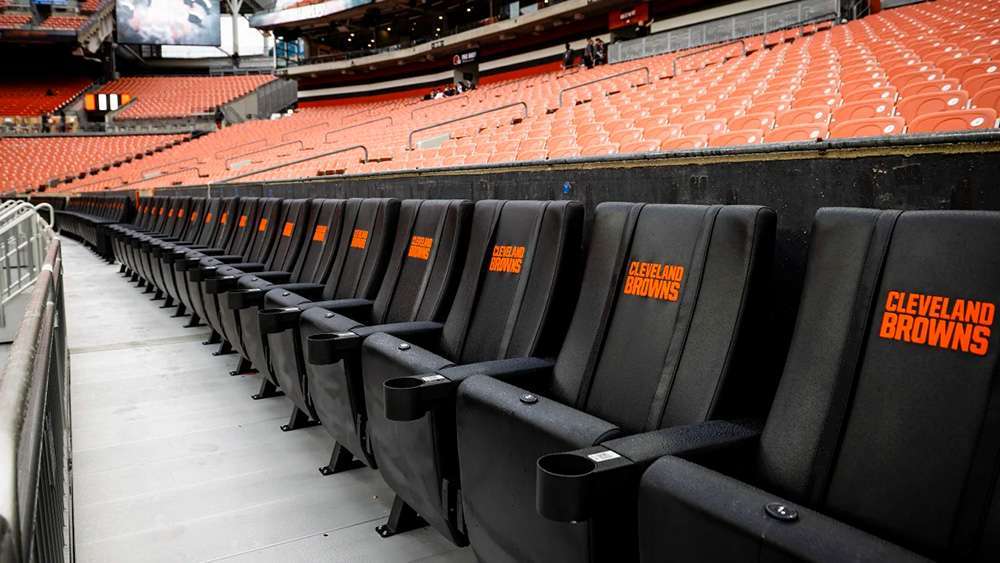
(216, 285)
(327, 348)
(273, 321)
(409, 398)
(568, 484)
(244, 298)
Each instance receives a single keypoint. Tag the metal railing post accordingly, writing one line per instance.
(409, 142)
(616, 75)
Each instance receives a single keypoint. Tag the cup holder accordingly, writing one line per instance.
(564, 482)
(404, 383)
(321, 347)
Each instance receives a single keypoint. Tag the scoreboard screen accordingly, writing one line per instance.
(169, 22)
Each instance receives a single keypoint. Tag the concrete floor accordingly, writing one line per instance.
(174, 462)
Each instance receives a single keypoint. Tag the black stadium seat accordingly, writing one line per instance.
(519, 277)
(883, 441)
(363, 248)
(418, 286)
(663, 335)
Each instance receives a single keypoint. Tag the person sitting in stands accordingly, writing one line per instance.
(568, 57)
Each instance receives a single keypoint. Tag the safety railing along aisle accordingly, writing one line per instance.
(24, 237)
(36, 509)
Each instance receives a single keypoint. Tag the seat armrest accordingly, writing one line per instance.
(274, 277)
(358, 309)
(720, 510)
(185, 264)
(568, 485)
(222, 284)
(330, 348)
(409, 398)
(245, 298)
(311, 291)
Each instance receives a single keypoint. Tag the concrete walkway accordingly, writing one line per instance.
(174, 462)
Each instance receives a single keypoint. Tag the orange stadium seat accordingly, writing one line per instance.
(954, 120)
(870, 127)
(793, 133)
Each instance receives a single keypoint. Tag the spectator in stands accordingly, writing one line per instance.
(600, 52)
(568, 57)
(588, 53)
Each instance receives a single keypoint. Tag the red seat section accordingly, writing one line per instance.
(20, 96)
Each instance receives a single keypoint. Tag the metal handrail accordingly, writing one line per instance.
(254, 142)
(36, 508)
(742, 40)
(441, 103)
(326, 136)
(409, 142)
(284, 136)
(299, 161)
(366, 110)
(160, 167)
(265, 149)
(175, 172)
(609, 77)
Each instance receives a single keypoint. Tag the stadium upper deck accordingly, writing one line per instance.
(918, 69)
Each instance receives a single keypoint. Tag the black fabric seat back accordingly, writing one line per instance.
(363, 249)
(287, 233)
(319, 247)
(888, 412)
(144, 213)
(243, 226)
(170, 208)
(160, 213)
(520, 254)
(224, 229)
(659, 328)
(176, 216)
(192, 217)
(426, 256)
(265, 226)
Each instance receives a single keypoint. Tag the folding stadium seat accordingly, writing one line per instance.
(914, 106)
(530, 154)
(795, 133)
(210, 233)
(361, 237)
(560, 142)
(828, 100)
(863, 109)
(870, 127)
(236, 231)
(664, 323)
(263, 230)
(886, 94)
(760, 120)
(519, 278)
(736, 138)
(415, 291)
(639, 146)
(881, 443)
(979, 82)
(988, 98)
(683, 143)
(707, 127)
(804, 115)
(927, 86)
(954, 120)
(624, 136)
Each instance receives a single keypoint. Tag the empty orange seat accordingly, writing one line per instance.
(661, 133)
(926, 87)
(564, 152)
(988, 98)
(599, 150)
(871, 127)
(901, 81)
(706, 127)
(793, 133)
(955, 120)
(804, 115)
(560, 142)
(625, 136)
(886, 93)
(979, 82)
(531, 154)
(734, 138)
(967, 71)
(864, 109)
(760, 120)
(681, 143)
(922, 104)
(639, 146)
(687, 117)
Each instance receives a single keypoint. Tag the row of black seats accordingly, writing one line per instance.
(545, 407)
(84, 216)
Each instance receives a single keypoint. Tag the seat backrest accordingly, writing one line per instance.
(288, 232)
(190, 217)
(177, 212)
(160, 211)
(241, 224)
(519, 268)
(321, 236)
(426, 260)
(363, 248)
(665, 315)
(214, 232)
(888, 412)
(265, 229)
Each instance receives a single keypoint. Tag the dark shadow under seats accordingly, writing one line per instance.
(241, 304)
(418, 285)
(362, 257)
(520, 276)
(883, 442)
(663, 334)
